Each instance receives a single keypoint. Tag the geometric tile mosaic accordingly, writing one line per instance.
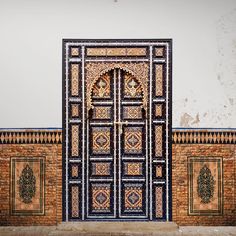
(133, 168)
(101, 168)
(101, 140)
(101, 198)
(133, 198)
(133, 140)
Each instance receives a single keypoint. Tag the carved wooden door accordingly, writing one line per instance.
(117, 157)
(117, 130)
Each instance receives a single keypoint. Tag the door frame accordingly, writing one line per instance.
(166, 59)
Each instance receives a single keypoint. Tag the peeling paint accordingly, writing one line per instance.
(231, 101)
(196, 120)
(188, 121)
(185, 120)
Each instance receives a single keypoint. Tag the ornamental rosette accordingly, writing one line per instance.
(27, 185)
(205, 185)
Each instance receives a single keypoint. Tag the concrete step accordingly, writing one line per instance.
(76, 229)
(119, 228)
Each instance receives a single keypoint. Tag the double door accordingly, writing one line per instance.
(116, 130)
(117, 149)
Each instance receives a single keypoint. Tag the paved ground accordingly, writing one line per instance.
(120, 229)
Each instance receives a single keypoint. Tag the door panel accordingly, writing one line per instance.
(133, 188)
(113, 134)
(100, 163)
(133, 140)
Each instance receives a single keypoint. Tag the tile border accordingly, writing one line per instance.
(179, 136)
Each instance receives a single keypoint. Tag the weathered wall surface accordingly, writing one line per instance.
(192, 152)
(204, 54)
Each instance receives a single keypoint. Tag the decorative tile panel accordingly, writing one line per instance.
(132, 87)
(75, 79)
(102, 87)
(158, 140)
(116, 51)
(74, 170)
(158, 171)
(159, 51)
(75, 140)
(74, 201)
(205, 185)
(75, 110)
(159, 80)
(101, 197)
(159, 201)
(27, 186)
(158, 110)
(132, 112)
(101, 143)
(212, 136)
(101, 168)
(25, 136)
(102, 113)
(133, 140)
(74, 51)
(133, 168)
(133, 198)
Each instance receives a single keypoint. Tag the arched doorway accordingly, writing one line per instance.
(117, 157)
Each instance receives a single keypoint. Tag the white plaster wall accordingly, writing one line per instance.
(204, 53)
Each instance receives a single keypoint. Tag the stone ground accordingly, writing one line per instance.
(117, 229)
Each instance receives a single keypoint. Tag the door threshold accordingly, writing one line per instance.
(149, 227)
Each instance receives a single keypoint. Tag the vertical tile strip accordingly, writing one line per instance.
(74, 110)
(159, 202)
(74, 171)
(159, 80)
(75, 201)
(74, 140)
(158, 141)
(74, 79)
(158, 110)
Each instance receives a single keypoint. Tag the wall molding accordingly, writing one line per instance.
(179, 136)
(204, 136)
(32, 136)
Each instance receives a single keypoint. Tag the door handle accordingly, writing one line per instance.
(120, 125)
(121, 122)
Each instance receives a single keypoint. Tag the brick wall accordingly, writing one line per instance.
(33, 144)
(35, 147)
(182, 150)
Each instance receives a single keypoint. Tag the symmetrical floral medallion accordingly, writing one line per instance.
(27, 185)
(205, 185)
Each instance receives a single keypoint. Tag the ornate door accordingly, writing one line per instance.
(117, 154)
(116, 149)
